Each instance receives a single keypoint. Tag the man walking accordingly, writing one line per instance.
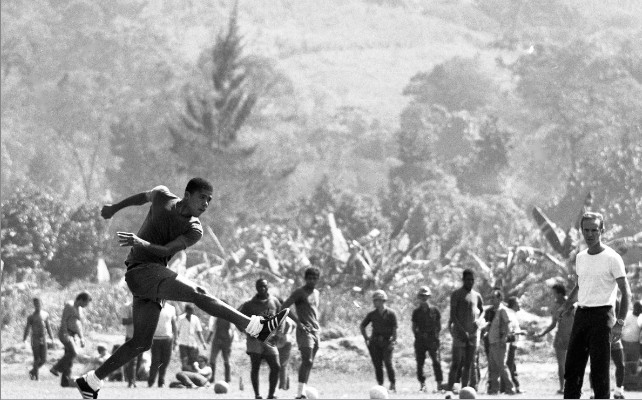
(162, 344)
(306, 301)
(171, 225)
(426, 325)
(263, 303)
(38, 324)
(466, 305)
(381, 342)
(599, 274)
(71, 326)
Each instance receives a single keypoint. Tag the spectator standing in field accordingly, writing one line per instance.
(498, 334)
(599, 274)
(221, 336)
(189, 332)
(631, 338)
(382, 340)
(171, 225)
(512, 307)
(306, 302)
(263, 303)
(426, 326)
(162, 344)
(284, 340)
(71, 327)
(466, 305)
(564, 324)
(199, 376)
(38, 324)
(131, 368)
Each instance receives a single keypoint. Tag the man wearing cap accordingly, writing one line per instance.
(383, 338)
(426, 325)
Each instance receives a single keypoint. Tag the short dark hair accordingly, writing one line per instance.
(196, 184)
(260, 280)
(498, 294)
(84, 296)
(559, 288)
(189, 307)
(468, 271)
(592, 215)
(312, 271)
(511, 301)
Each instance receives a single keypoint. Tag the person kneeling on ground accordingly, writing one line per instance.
(191, 379)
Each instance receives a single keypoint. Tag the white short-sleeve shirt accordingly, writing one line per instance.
(187, 330)
(596, 276)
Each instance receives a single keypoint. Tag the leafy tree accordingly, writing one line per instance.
(31, 222)
(81, 241)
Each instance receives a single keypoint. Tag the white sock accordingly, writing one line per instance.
(619, 389)
(93, 381)
(255, 326)
(301, 388)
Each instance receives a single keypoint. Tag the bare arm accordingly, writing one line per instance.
(27, 328)
(625, 290)
(139, 199)
(572, 298)
(129, 239)
(286, 304)
(48, 327)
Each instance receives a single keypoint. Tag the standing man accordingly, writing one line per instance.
(498, 333)
(71, 326)
(426, 325)
(38, 323)
(466, 305)
(512, 307)
(164, 338)
(599, 274)
(306, 302)
(188, 331)
(131, 368)
(381, 343)
(564, 325)
(221, 336)
(263, 303)
(171, 225)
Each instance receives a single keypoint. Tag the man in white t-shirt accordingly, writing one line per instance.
(189, 332)
(162, 344)
(599, 274)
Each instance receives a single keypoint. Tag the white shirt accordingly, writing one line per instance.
(632, 328)
(164, 327)
(596, 275)
(186, 331)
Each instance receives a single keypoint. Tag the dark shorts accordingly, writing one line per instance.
(158, 283)
(255, 346)
(305, 338)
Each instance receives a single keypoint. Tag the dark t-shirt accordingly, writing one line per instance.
(384, 323)
(426, 322)
(162, 225)
(38, 323)
(306, 303)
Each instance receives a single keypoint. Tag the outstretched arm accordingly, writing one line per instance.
(139, 199)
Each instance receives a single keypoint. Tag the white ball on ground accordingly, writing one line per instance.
(467, 393)
(221, 387)
(378, 392)
(310, 392)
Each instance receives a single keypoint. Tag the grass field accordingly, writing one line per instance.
(349, 379)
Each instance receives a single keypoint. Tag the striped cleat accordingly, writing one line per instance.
(85, 390)
(271, 325)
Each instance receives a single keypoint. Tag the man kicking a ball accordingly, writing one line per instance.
(171, 225)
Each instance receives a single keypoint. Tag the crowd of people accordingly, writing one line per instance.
(588, 321)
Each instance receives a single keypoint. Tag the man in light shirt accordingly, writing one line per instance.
(599, 274)
(162, 344)
(189, 330)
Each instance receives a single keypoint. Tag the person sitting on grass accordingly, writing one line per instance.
(200, 377)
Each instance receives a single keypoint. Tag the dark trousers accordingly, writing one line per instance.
(161, 356)
(226, 350)
(463, 364)
(590, 336)
(132, 366)
(188, 356)
(421, 347)
(512, 368)
(66, 363)
(381, 354)
(39, 349)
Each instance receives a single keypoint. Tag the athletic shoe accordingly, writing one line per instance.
(301, 397)
(85, 390)
(271, 325)
(54, 371)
